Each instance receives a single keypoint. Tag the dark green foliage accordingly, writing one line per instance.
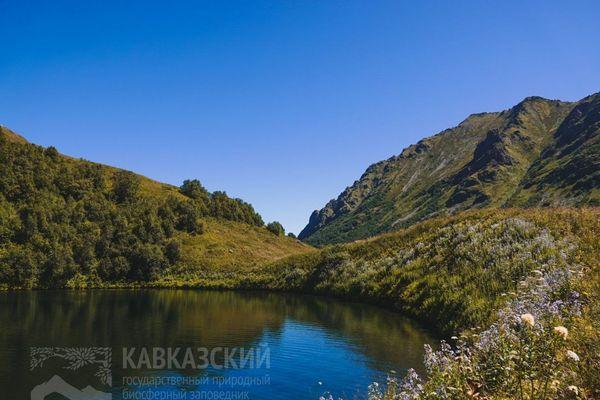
(194, 189)
(276, 228)
(51, 152)
(187, 214)
(291, 234)
(66, 222)
(126, 186)
(222, 206)
(173, 251)
(218, 204)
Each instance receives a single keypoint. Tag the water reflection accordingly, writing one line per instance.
(316, 344)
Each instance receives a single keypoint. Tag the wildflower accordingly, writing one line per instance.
(572, 355)
(528, 319)
(454, 338)
(574, 389)
(561, 331)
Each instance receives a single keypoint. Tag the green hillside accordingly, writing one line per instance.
(517, 291)
(538, 153)
(452, 272)
(69, 222)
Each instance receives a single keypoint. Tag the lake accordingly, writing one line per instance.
(193, 344)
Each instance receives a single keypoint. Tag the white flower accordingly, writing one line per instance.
(561, 331)
(528, 319)
(572, 355)
(574, 389)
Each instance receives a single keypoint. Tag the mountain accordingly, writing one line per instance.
(66, 222)
(538, 153)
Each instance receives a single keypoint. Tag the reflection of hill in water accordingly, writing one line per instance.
(127, 318)
(191, 318)
(382, 335)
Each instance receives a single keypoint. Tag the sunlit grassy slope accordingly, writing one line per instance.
(452, 272)
(230, 246)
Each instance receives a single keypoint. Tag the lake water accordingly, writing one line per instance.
(251, 345)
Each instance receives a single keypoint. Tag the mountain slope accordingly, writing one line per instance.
(568, 171)
(485, 161)
(69, 222)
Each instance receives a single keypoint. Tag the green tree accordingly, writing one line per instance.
(173, 251)
(193, 189)
(276, 228)
(52, 152)
(126, 186)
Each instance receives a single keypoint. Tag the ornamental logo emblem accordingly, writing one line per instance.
(95, 359)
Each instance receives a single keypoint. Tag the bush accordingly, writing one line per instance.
(52, 152)
(126, 186)
(173, 251)
(276, 228)
(194, 189)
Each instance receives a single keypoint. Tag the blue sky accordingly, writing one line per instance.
(281, 103)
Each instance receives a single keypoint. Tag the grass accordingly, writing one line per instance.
(451, 272)
(230, 246)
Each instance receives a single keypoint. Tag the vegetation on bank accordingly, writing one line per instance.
(72, 223)
(452, 272)
(517, 290)
(543, 345)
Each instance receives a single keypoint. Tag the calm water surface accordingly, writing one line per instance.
(316, 346)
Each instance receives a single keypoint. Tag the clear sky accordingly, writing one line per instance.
(281, 103)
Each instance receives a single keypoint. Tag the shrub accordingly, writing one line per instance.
(126, 186)
(276, 228)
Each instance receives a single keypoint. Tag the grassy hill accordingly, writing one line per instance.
(453, 272)
(518, 290)
(538, 153)
(70, 222)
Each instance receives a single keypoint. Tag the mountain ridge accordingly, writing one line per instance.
(481, 162)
